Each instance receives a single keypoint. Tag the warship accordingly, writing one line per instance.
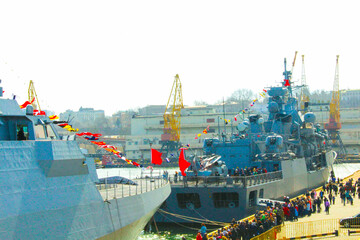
(49, 186)
(283, 154)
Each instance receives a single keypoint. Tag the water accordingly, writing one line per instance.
(176, 233)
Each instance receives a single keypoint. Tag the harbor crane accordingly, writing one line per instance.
(32, 95)
(304, 94)
(170, 139)
(334, 125)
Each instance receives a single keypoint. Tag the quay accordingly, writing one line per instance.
(317, 225)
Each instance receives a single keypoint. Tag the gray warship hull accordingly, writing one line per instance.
(226, 198)
(48, 187)
(53, 196)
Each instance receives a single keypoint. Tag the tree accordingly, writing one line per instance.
(200, 103)
(242, 96)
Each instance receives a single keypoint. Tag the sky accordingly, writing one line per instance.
(119, 55)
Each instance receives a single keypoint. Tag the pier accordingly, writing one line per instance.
(317, 225)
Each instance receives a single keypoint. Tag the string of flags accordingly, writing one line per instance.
(25, 104)
(68, 127)
(87, 135)
(227, 121)
(205, 131)
(53, 117)
(92, 137)
(261, 95)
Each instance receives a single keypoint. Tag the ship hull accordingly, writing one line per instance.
(47, 191)
(295, 180)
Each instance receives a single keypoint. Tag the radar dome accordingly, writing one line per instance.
(273, 107)
(309, 117)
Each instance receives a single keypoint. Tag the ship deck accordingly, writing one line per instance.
(221, 181)
(110, 191)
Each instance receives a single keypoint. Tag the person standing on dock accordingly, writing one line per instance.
(327, 206)
(203, 230)
(342, 196)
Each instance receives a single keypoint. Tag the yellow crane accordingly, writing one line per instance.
(334, 125)
(32, 95)
(172, 116)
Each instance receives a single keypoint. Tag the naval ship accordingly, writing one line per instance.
(48, 186)
(283, 154)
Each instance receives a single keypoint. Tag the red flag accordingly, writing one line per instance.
(136, 164)
(26, 103)
(183, 164)
(98, 143)
(37, 112)
(89, 134)
(156, 157)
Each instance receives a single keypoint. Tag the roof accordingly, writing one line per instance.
(9, 107)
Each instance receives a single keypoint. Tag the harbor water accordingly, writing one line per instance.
(177, 232)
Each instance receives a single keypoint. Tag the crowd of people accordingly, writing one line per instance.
(311, 202)
(247, 171)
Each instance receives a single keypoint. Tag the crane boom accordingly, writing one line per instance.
(32, 95)
(172, 112)
(334, 118)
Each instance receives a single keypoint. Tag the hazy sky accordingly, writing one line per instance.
(116, 55)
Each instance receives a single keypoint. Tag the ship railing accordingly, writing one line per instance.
(222, 181)
(118, 190)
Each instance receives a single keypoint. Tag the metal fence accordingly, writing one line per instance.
(298, 230)
(221, 181)
(270, 234)
(114, 190)
(292, 229)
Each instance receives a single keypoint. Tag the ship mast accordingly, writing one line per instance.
(288, 75)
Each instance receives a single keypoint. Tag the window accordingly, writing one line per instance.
(210, 120)
(162, 122)
(261, 193)
(211, 130)
(252, 198)
(39, 131)
(22, 132)
(188, 200)
(226, 200)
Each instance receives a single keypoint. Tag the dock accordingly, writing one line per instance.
(318, 225)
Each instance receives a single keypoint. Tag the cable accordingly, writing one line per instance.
(208, 219)
(196, 229)
(192, 219)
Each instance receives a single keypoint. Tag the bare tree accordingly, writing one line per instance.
(241, 96)
(200, 103)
